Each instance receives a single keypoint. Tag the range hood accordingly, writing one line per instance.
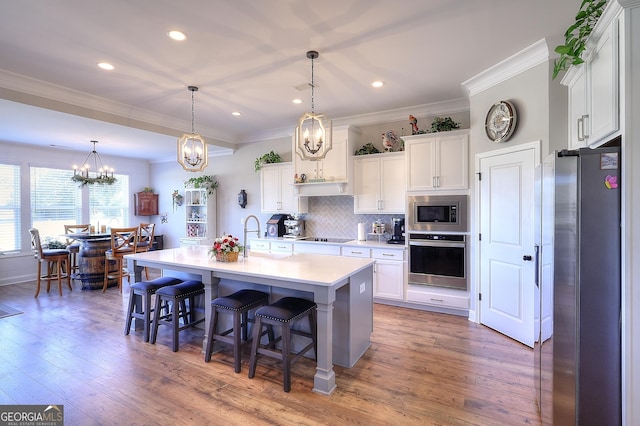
(319, 189)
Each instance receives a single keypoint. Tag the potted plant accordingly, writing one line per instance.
(441, 124)
(575, 38)
(268, 158)
(207, 182)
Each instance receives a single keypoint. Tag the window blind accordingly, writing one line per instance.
(10, 230)
(109, 205)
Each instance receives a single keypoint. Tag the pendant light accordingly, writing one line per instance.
(313, 134)
(103, 175)
(192, 149)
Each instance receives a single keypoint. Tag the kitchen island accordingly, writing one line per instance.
(340, 286)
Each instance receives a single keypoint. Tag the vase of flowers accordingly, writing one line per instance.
(226, 249)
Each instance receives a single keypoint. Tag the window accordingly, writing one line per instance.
(55, 201)
(10, 230)
(109, 204)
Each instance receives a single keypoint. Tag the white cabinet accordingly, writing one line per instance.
(379, 183)
(259, 245)
(276, 190)
(200, 220)
(594, 88)
(332, 175)
(437, 161)
(316, 248)
(389, 273)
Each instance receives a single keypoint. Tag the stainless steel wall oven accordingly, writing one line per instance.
(438, 260)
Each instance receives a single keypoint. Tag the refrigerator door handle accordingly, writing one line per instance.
(536, 249)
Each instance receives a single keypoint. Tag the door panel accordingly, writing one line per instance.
(507, 230)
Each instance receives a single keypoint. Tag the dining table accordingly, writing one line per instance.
(91, 259)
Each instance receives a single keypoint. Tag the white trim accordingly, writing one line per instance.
(516, 64)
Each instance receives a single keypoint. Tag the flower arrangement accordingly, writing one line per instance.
(226, 248)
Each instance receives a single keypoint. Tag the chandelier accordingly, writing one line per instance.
(313, 134)
(192, 149)
(103, 175)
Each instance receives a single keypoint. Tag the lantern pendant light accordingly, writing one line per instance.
(314, 132)
(192, 149)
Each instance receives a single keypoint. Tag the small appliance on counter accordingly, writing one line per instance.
(294, 229)
(275, 226)
(397, 229)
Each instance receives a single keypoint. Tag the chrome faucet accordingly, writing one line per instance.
(257, 231)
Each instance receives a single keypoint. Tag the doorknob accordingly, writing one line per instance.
(527, 258)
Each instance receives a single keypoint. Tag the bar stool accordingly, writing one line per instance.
(283, 313)
(176, 296)
(145, 289)
(238, 304)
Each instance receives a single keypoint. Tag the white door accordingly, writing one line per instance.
(507, 237)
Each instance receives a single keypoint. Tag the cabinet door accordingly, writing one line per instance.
(602, 80)
(420, 160)
(392, 184)
(577, 109)
(288, 199)
(453, 162)
(334, 166)
(366, 192)
(388, 280)
(270, 201)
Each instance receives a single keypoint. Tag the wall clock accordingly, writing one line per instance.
(501, 121)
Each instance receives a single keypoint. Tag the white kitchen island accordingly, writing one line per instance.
(340, 286)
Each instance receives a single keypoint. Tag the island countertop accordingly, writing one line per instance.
(341, 287)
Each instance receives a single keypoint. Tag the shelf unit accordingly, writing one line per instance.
(200, 211)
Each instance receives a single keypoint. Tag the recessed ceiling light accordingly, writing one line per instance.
(177, 35)
(297, 101)
(236, 113)
(105, 66)
(377, 84)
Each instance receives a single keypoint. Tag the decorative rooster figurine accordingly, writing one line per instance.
(389, 139)
(414, 124)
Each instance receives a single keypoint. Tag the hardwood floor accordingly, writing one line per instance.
(422, 368)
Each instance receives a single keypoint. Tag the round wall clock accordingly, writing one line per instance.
(501, 121)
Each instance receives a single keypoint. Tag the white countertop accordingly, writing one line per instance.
(352, 243)
(308, 268)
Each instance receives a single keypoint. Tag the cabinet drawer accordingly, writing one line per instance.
(259, 245)
(356, 252)
(384, 254)
(423, 295)
(280, 246)
(316, 248)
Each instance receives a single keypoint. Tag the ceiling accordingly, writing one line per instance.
(244, 55)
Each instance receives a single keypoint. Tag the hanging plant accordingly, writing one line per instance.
(177, 199)
(575, 38)
(207, 182)
(268, 158)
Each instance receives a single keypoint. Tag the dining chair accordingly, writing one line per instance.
(73, 245)
(123, 242)
(146, 232)
(56, 263)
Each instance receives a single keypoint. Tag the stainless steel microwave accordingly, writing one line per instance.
(437, 213)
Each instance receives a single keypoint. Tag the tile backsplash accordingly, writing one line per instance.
(333, 217)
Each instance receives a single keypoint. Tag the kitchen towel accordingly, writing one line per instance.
(361, 234)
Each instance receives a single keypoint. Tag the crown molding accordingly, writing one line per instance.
(518, 63)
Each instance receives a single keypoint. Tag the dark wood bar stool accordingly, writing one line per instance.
(238, 304)
(144, 290)
(176, 297)
(283, 313)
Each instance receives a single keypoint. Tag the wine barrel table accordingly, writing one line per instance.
(91, 260)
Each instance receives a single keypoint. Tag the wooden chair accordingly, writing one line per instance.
(146, 232)
(123, 242)
(56, 260)
(73, 245)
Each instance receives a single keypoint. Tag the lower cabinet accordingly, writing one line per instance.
(388, 272)
(445, 298)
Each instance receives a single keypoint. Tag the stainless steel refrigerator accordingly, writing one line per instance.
(578, 353)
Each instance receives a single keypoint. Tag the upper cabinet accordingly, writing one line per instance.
(594, 88)
(145, 204)
(332, 175)
(437, 161)
(276, 190)
(379, 183)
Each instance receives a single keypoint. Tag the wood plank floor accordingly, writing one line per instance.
(422, 368)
